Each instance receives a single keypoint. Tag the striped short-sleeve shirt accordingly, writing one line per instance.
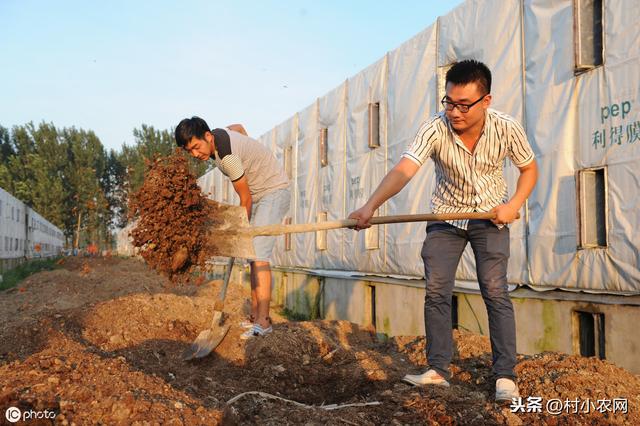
(470, 181)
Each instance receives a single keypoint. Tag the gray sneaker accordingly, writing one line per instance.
(430, 377)
(506, 390)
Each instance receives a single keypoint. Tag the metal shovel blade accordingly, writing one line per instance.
(210, 338)
(224, 236)
(206, 341)
(229, 243)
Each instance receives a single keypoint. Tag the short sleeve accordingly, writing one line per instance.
(231, 166)
(422, 146)
(520, 151)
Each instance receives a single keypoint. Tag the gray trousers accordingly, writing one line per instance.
(441, 254)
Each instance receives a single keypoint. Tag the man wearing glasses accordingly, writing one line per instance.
(468, 143)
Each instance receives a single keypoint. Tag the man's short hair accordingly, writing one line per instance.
(470, 71)
(189, 128)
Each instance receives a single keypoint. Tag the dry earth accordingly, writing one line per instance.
(99, 341)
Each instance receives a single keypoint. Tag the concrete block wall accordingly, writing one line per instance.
(399, 310)
(347, 300)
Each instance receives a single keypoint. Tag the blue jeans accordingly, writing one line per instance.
(441, 254)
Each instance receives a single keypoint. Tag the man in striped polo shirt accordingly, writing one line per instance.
(468, 143)
(263, 188)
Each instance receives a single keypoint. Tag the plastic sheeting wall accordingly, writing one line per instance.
(284, 140)
(331, 178)
(365, 166)
(412, 98)
(306, 189)
(529, 45)
(571, 126)
(12, 227)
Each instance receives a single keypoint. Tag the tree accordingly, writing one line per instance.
(47, 164)
(86, 200)
(114, 187)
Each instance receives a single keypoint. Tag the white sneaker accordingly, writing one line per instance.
(256, 331)
(430, 377)
(246, 324)
(506, 390)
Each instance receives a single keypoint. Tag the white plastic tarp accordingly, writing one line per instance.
(206, 182)
(411, 100)
(609, 113)
(331, 182)
(12, 226)
(284, 139)
(306, 189)
(365, 166)
(579, 122)
(124, 242)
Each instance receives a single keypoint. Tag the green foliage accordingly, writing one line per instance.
(68, 177)
(12, 277)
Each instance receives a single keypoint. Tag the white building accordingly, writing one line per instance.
(25, 234)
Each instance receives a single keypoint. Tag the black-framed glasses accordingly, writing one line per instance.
(449, 106)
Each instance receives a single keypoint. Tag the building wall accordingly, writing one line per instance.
(575, 120)
(24, 234)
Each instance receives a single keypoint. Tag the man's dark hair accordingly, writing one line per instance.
(189, 128)
(470, 71)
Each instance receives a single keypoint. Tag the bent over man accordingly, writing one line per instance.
(263, 188)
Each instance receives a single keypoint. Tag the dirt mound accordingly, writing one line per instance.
(170, 212)
(104, 347)
(581, 384)
(86, 386)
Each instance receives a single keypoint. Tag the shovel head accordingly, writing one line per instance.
(207, 340)
(224, 236)
(229, 244)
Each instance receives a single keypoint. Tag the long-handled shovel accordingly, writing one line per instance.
(229, 232)
(210, 338)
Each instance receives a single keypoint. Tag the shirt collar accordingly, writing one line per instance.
(487, 121)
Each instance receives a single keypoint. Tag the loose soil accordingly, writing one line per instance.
(99, 342)
(170, 213)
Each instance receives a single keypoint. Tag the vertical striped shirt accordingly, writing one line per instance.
(470, 181)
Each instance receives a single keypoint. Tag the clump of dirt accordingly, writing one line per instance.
(171, 213)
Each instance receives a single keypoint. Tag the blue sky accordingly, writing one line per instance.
(111, 66)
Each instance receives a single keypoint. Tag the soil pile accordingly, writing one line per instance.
(104, 347)
(170, 212)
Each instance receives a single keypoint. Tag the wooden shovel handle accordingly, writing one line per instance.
(350, 223)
